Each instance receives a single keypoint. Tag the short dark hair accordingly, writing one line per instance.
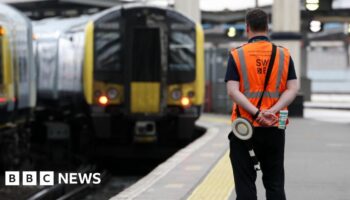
(257, 20)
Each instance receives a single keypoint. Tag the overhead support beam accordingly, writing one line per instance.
(229, 16)
(99, 3)
(339, 15)
(39, 9)
(344, 19)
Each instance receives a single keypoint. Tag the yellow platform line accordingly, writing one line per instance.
(218, 184)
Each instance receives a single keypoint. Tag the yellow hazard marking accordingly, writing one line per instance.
(218, 184)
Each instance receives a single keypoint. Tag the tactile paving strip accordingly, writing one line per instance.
(218, 184)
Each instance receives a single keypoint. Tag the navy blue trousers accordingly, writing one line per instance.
(268, 145)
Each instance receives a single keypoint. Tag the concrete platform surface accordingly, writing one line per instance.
(316, 163)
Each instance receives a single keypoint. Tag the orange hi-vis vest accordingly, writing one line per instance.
(252, 61)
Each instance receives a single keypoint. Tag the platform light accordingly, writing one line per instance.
(103, 100)
(185, 101)
(348, 28)
(231, 32)
(315, 26)
(312, 5)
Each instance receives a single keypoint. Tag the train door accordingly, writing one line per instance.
(146, 65)
(146, 71)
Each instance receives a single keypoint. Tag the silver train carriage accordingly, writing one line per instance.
(58, 49)
(61, 111)
(17, 84)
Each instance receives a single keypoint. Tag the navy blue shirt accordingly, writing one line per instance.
(232, 72)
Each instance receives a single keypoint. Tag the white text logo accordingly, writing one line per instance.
(30, 178)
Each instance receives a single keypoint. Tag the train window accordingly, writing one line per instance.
(22, 57)
(22, 63)
(108, 51)
(146, 64)
(181, 57)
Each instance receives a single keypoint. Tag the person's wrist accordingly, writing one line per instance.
(257, 113)
(272, 110)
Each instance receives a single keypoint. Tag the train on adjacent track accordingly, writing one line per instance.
(127, 75)
(17, 86)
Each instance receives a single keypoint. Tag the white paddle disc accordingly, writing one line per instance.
(242, 128)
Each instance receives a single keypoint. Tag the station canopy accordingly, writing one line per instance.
(217, 11)
(205, 5)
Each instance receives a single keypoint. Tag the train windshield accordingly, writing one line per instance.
(108, 52)
(181, 57)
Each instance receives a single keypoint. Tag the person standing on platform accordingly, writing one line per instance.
(245, 81)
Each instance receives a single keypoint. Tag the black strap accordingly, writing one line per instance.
(267, 78)
(268, 74)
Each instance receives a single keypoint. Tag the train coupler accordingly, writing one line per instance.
(145, 132)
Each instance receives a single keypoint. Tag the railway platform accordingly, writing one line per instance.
(316, 165)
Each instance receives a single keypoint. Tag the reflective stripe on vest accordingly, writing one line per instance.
(244, 69)
(280, 68)
(251, 95)
(247, 92)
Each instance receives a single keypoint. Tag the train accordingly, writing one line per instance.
(131, 74)
(17, 86)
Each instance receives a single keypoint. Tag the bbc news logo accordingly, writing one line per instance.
(47, 178)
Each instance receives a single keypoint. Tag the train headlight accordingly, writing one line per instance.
(103, 100)
(185, 101)
(2, 31)
(176, 94)
(112, 93)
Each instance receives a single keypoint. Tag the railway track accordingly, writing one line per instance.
(119, 174)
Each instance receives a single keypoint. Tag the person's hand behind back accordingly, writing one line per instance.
(266, 118)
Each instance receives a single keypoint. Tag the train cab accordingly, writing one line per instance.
(143, 73)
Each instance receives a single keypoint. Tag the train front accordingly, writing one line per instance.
(144, 74)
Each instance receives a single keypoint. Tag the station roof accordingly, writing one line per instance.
(102, 3)
(218, 11)
(38, 9)
(205, 5)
